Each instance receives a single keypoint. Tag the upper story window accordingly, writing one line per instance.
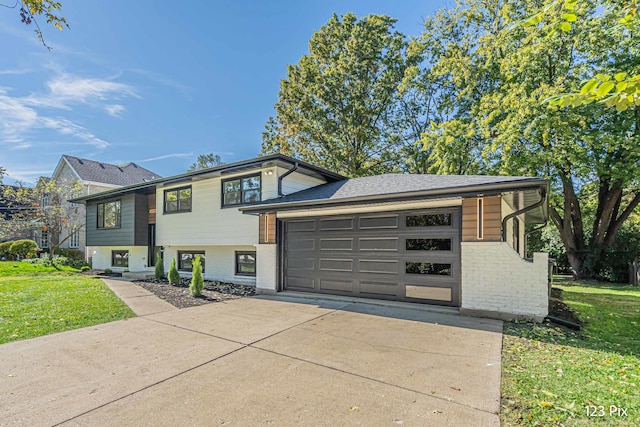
(109, 214)
(242, 190)
(177, 200)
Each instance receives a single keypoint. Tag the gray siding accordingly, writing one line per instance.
(133, 220)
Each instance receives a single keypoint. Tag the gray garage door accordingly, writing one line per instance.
(407, 256)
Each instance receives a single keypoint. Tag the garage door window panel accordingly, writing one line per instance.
(428, 244)
(429, 220)
(428, 268)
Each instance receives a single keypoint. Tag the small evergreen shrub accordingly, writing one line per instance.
(108, 270)
(197, 283)
(24, 248)
(159, 267)
(72, 254)
(174, 276)
(5, 252)
(85, 268)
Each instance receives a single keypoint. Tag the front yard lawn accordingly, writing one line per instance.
(37, 300)
(554, 376)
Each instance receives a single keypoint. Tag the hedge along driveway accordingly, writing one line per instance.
(37, 300)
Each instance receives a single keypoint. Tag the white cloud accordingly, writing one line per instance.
(114, 110)
(166, 156)
(67, 127)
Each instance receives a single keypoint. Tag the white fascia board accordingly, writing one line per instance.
(374, 207)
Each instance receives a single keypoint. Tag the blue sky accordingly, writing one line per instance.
(156, 83)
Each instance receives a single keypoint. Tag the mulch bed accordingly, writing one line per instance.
(179, 295)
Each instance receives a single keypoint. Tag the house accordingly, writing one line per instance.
(93, 177)
(283, 224)
(12, 226)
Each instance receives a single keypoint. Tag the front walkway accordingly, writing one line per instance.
(259, 360)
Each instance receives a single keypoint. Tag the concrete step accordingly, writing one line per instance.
(138, 275)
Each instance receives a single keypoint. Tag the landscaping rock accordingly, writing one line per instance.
(179, 295)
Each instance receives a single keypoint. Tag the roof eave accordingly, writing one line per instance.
(428, 194)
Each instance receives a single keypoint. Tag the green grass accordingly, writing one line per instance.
(551, 374)
(36, 300)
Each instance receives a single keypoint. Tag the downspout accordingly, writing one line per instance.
(543, 198)
(287, 173)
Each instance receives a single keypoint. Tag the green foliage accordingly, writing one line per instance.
(205, 161)
(197, 282)
(5, 251)
(49, 9)
(85, 268)
(174, 276)
(24, 248)
(341, 106)
(494, 118)
(549, 375)
(623, 252)
(159, 273)
(70, 253)
(60, 301)
(108, 270)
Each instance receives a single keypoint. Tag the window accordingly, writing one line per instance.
(44, 239)
(428, 268)
(242, 191)
(428, 244)
(120, 258)
(177, 200)
(186, 259)
(245, 263)
(109, 214)
(516, 235)
(428, 220)
(74, 240)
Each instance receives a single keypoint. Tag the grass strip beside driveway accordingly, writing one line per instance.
(37, 300)
(554, 376)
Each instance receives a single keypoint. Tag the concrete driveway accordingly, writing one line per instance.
(260, 361)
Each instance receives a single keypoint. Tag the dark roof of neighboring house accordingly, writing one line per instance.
(226, 168)
(121, 175)
(392, 187)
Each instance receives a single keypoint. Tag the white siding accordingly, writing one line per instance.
(496, 282)
(208, 223)
(137, 258)
(297, 182)
(220, 262)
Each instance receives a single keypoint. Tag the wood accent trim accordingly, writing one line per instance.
(267, 228)
(492, 219)
(152, 208)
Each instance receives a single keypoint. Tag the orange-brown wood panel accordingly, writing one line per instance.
(152, 208)
(267, 228)
(492, 219)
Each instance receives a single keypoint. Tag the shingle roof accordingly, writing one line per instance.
(393, 185)
(127, 174)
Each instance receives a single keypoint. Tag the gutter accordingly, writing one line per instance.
(287, 173)
(543, 199)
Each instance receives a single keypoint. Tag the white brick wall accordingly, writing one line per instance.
(220, 262)
(496, 282)
(137, 258)
(266, 278)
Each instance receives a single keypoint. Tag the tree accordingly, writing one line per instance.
(3, 172)
(501, 79)
(174, 276)
(49, 9)
(205, 161)
(45, 207)
(339, 107)
(197, 283)
(159, 271)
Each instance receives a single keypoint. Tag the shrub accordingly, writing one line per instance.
(159, 267)
(5, 252)
(174, 276)
(24, 248)
(85, 268)
(197, 283)
(72, 254)
(108, 270)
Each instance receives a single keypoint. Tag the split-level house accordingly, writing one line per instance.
(285, 225)
(93, 177)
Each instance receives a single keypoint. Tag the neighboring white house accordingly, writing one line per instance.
(94, 177)
(282, 224)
